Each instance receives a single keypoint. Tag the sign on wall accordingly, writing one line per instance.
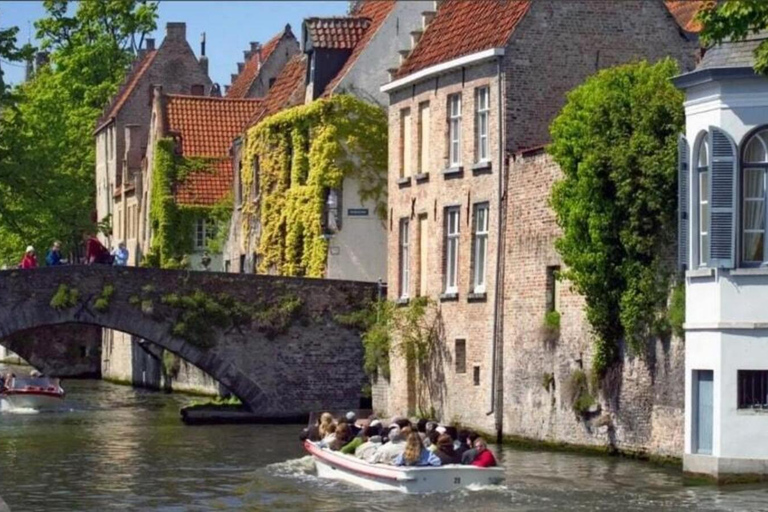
(357, 212)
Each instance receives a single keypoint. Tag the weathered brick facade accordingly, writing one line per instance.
(554, 47)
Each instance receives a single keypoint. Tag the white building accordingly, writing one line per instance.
(723, 247)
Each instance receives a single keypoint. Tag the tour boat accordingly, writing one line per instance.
(381, 477)
(32, 393)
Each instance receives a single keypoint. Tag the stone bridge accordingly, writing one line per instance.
(274, 342)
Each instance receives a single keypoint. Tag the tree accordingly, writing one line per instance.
(736, 20)
(615, 141)
(47, 187)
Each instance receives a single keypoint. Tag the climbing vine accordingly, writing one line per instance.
(301, 154)
(615, 141)
(409, 331)
(173, 224)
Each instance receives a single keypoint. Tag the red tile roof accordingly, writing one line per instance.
(464, 27)
(131, 80)
(287, 91)
(375, 10)
(206, 128)
(339, 33)
(245, 79)
(684, 12)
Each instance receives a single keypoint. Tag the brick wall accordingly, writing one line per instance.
(646, 411)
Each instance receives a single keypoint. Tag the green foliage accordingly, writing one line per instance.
(101, 303)
(231, 401)
(735, 20)
(134, 300)
(410, 332)
(173, 224)
(677, 310)
(302, 153)
(277, 318)
(551, 327)
(65, 297)
(171, 364)
(47, 153)
(615, 141)
(577, 394)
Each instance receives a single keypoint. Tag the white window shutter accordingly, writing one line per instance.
(723, 175)
(683, 201)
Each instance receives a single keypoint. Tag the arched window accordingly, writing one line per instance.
(753, 213)
(702, 171)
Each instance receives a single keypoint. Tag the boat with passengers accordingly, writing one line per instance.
(34, 392)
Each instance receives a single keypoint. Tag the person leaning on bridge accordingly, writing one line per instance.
(29, 260)
(53, 258)
(95, 252)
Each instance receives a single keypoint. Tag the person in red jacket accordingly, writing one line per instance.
(29, 260)
(95, 252)
(485, 458)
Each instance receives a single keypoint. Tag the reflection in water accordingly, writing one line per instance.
(117, 448)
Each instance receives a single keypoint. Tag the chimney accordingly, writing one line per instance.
(203, 59)
(149, 44)
(202, 44)
(240, 66)
(255, 46)
(215, 91)
(233, 78)
(132, 151)
(247, 55)
(176, 31)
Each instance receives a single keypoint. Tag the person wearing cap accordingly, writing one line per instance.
(29, 260)
(351, 419)
(53, 258)
(388, 452)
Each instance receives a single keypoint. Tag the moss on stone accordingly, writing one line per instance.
(65, 297)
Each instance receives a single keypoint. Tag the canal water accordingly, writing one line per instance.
(117, 448)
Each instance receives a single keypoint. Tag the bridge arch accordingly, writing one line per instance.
(272, 341)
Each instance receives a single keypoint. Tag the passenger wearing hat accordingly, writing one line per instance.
(351, 418)
(29, 260)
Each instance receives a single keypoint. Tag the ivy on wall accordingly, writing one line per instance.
(302, 153)
(173, 224)
(616, 141)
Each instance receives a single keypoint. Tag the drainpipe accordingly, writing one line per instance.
(497, 342)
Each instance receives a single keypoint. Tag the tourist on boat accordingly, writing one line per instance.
(372, 434)
(430, 443)
(311, 433)
(485, 458)
(326, 420)
(351, 447)
(29, 260)
(445, 451)
(453, 432)
(53, 258)
(351, 418)
(469, 456)
(421, 428)
(415, 454)
(342, 437)
(388, 452)
(462, 441)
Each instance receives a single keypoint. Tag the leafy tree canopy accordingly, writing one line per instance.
(615, 141)
(736, 20)
(47, 155)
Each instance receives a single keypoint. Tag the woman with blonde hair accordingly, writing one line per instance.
(326, 420)
(415, 454)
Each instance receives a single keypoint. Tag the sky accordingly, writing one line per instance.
(229, 26)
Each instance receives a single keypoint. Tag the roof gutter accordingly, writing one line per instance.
(467, 60)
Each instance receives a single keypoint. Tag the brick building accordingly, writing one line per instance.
(346, 54)
(469, 221)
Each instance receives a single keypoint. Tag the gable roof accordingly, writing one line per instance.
(336, 33)
(461, 28)
(245, 79)
(137, 71)
(375, 10)
(684, 12)
(283, 92)
(205, 127)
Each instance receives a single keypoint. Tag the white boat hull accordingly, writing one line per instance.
(32, 401)
(380, 477)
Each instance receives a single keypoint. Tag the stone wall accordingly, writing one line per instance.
(60, 351)
(644, 408)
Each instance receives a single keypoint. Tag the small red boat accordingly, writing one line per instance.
(32, 392)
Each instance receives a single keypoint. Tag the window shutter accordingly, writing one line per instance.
(683, 202)
(723, 198)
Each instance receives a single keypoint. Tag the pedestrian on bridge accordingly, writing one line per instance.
(29, 260)
(53, 258)
(120, 255)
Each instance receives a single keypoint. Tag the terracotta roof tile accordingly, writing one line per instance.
(245, 79)
(339, 33)
(461, 28)
(375, 10)
(684, 12)
(287, 91)
(131, 80)
(206, 127)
